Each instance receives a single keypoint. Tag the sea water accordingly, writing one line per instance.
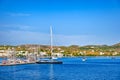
(94, 68)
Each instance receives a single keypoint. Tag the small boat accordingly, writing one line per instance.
(52, 59)
(83, 59)
(84, 56)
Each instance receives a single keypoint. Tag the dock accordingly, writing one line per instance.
(14, 64)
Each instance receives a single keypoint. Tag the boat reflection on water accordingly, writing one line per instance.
(51, 73)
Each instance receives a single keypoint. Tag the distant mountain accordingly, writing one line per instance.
(116, 45)
(35, 45)
(96, 46)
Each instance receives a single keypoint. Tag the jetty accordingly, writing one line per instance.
(13, 64)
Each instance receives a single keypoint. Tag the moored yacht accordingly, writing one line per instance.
(52, 59)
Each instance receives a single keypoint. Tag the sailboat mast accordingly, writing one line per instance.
(51, 41)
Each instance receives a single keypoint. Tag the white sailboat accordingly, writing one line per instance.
(51, 45)
(52, 58)
(84, 58)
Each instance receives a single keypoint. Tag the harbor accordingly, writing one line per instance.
(59, 40)
(31, 58)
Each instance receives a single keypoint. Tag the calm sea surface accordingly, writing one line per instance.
(94, 68)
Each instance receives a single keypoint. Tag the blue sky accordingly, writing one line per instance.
(74, 22)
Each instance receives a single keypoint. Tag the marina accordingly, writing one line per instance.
(12, 60)
(31, 58)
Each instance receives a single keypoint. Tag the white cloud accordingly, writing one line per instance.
(19, 14)
(27, 37)
(16, 26)
(23, 37)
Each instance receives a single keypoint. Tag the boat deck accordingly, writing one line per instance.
(49, 62)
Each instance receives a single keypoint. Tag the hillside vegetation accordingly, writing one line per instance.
(73, 50)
